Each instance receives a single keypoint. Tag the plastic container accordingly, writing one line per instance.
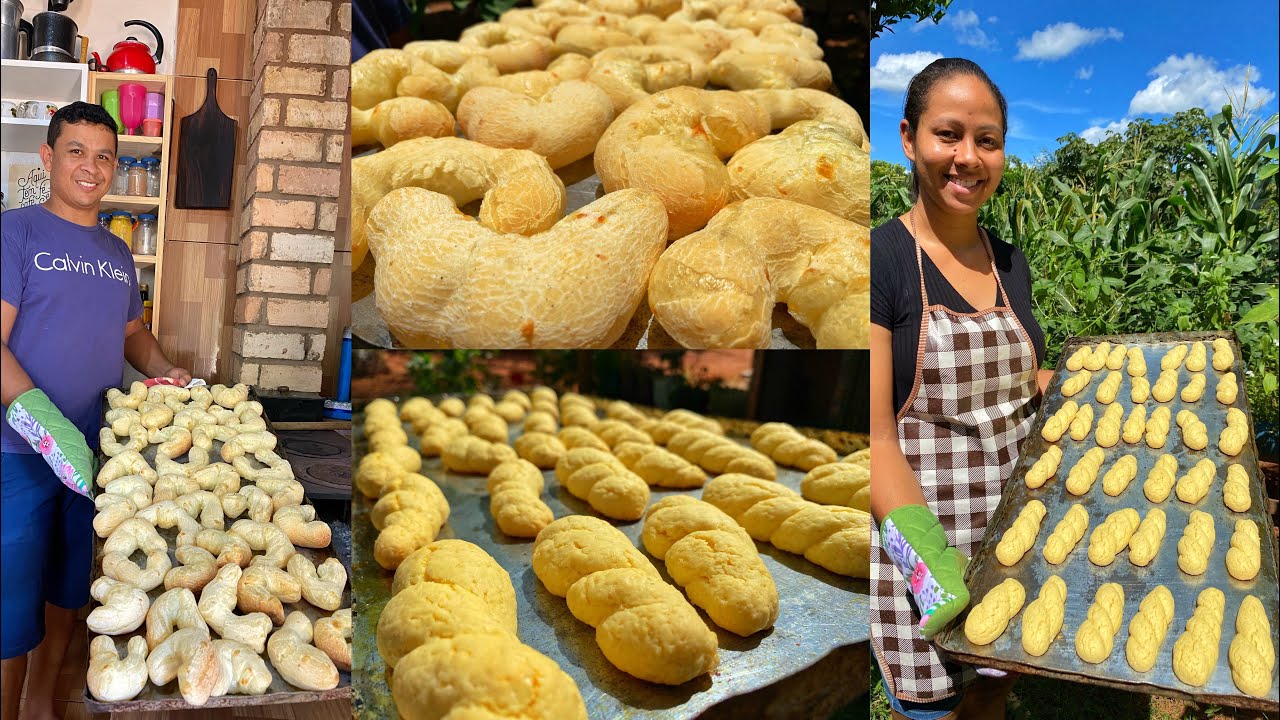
(154, 106)
(122, 224)
(120, 183)
(137, 179)
(152, 166)
(104, 219)
(152, 127)
(145, 237)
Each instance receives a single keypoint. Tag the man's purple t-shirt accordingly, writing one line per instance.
(75, 290)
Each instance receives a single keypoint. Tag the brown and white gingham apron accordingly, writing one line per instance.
(970, 407)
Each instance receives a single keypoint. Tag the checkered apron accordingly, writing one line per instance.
(970, 407)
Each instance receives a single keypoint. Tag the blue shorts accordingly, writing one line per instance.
(921, 710)
(46, 549)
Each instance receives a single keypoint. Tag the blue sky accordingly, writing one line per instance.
(1085, 67)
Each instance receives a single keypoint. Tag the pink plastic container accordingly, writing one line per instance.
(152, 127)
(155, 106)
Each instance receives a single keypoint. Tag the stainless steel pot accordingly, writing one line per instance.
(15, 33)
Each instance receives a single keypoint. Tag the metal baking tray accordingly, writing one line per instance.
(583, 188)
(154, 698)
(819, 611)
(1083, 578)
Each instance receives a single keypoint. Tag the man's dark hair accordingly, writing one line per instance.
(81, 112)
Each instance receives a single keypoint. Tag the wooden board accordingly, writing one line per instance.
(198, 298)
(206, 155)
(214, 225)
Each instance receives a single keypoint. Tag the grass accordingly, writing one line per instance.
(1037, 698)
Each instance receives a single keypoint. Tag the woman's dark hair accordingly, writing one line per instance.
(922, 85)
(80, 112)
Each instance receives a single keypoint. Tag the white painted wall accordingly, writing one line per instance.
(102, 21)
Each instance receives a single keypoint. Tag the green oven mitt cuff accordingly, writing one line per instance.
(56, 438)
(914, 539)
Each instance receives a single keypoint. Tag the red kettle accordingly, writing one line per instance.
(131, 56)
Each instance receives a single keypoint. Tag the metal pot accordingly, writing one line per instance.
(56, 38)
(15, 33)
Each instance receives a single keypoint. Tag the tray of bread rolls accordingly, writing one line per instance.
(214, 583)
(1133, 549)
(788, 610)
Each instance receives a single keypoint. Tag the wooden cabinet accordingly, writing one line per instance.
(149, 266)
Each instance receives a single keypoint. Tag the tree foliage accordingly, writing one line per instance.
(887, 13)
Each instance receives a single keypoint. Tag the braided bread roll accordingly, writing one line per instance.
(786, 445)
(718, 454)
(433, 440)
(644, 626)
(714, 560)
(604, 482)
(515, 499)
(408, 520)
(614, 432)
(475, 456)
(485, 423)
(575, 436)
(542, 449)
(659, 467)
(449, 633)
(846, 483)
(836, 538)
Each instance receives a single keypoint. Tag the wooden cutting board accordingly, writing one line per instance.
(206, 155)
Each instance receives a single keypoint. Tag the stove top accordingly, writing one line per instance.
(321, 461)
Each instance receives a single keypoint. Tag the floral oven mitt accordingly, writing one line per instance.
(56, 438)
(913, 538)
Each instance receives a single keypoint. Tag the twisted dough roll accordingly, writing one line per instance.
(1235, 491)
(1042, 621)
(644, 626)
(786, 445)
(298, 661)
(1148, 628)
(844, 483)
(398, 119)
(515, 499)
(408, 520)
(659, 467)
(112, 678)
(1195, 653)
(1096, 635)
(988, 619)
(521, 193)
(1057, 424)
(1135, 425)
(1137, 365)
(1045, 467)
(1193, 486)
(333, 637)
(1244, 558)
(1252, 654)
(1196, 543)
(1227, 390)
(1118, 477)
(718, 287)
(484, 423)
(1223, 356)
(123, 609)
(836, 538)
(455, 282)
(1158, 428)
(542, 449)
(563, 125)
(714, 560)
(718, 454)
(476, 456)
(616, 432)
(1020, 536)
(1235, 434)
(604, 482)
(1066, 534)
(1112, 536)
(1145, 542)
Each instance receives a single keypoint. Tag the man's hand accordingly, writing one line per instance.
(182, 375)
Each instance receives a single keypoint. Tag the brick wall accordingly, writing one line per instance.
(300, 61)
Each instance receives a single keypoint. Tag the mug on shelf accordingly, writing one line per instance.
(111, 103)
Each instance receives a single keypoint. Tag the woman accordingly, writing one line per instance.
(955, 353)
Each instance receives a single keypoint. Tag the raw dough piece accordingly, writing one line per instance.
(1115, 359)
(988, 619)
(515, 499)
(787, 446)
(1195, 653)
(1161, 478)
(1252, 655)
(718, 454)
(1194, 434)
(1044, 468)
(1146, 540)
(1148, 628)
(1055, 426)
(1172, 359)
(542, 449)
(1223, 356)
(846, 483)
(1196, 358)
(475, 456)
(1194, 389)
(1109, 426)
(1098, 359)
(1158, 428)
(1196, 543)
(1042, 620)
(1076, 383)
(408, 520)
(1139, 389)
(1245, 556)
(1112, 536)
(1085, 472)
(1166, 386)
(1096, 635)
(1020, 536)
(1076, 361)
(1133, 428)
(1120, 475)
(604, 482)
(659, 467)
(1066, 534)
(1082, 423)
(1228, 389)
(1235, 434)
(1235, 493)
(1193, 486)
(1137, 366)
(1108, 388)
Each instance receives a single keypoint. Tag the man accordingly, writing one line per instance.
(71, 308)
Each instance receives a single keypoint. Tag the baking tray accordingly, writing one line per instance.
(583, 188)
(819, 611)
(1083, 578)
(154, 698)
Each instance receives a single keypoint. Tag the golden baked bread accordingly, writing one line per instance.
(657, 466)
(1021, 535)
(1066, 534)
(243, 671)
(1148, 628)
(1042, 620)
(630, 75)
(173, 610)
(134, 535)
(189, 656)
(541, 421)
(741, 70)
(515, 499)
(1195, 653)
(400, 118)
(988, 619)
(196, 567)
(1096, 636)
(846, 483)
(122, 610)
(265, 589)
(321, 586)
(1252, 654)
(486, 424)
(814, 163)
(112, 678)
(434, 439)
(300, 663)
(542, 449)
(644, 626)
(333, 637)
(714, 560)
(615, 432)
(510, 49)
(576, 436)
(217, 606)
(604, 482)
(786, 445)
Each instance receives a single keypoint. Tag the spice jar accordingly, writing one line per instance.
(120, 182)
(137, 179)
(122, 227)
(146, 238)
(152, 167)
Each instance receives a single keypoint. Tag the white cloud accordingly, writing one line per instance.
(1061, 39)
(1194, 81)
(968, 29)
(893, 72)
(1048, 108)
(1098, 133)
(1084, 73)
(992, 20)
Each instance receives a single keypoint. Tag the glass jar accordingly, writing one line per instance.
(120, 183)
(137, 179)
(152, 166)
(146, 314)
(122, 227)
(145, 235)
(104, 219)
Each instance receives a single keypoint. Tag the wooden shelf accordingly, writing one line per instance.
(144, 260)
(139, 145)
(130, 202)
